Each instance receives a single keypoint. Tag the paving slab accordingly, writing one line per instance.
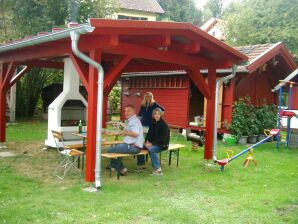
(6, 154)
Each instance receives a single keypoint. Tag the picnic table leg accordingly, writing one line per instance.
(177, 151)
(170, 157)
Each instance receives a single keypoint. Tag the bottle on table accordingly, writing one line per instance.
(80, 127)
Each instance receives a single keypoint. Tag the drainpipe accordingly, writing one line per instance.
(219, 82)
(74, 45)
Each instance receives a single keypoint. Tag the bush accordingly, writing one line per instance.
(241, 112)
(266, 115)
(245, 120)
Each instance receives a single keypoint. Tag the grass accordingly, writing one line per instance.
(192, 193)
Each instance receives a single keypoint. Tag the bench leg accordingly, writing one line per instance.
(178, 153)
(118, 167)
(83, 161)
(79, 162)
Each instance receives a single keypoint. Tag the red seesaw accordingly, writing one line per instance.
(225, 161)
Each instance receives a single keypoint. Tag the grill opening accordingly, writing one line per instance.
(72, 112)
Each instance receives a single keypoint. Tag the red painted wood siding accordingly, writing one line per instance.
(174, 100)
(227, 101)
(295, 98)
(258, 87)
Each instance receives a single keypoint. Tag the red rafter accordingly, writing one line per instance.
(18, 76)
(195, 75)
(81, 68)
(114, 73)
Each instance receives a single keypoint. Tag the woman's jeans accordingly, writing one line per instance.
(153, 150)
(122, 148)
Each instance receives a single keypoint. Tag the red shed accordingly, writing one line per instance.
(182, 100)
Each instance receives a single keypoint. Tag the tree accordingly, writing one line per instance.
(262, 21)
(180, 11)
(5, 20)
(213, 8)
(31, 16)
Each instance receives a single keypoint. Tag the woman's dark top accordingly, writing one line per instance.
(159, 134)
(146, 113)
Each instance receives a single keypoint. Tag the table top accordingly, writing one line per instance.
(104, 132)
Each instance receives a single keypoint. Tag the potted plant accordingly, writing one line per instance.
(253, 123)
(239, 125)
(266, 116)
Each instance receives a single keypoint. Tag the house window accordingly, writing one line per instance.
(131, 17)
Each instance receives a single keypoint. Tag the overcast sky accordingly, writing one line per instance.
(201, 3)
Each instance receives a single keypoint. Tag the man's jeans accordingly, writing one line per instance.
(153, 150)
(122, 148)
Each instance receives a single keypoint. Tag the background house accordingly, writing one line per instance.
(138, 10)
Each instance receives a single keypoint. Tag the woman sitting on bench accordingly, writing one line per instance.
(157, 139)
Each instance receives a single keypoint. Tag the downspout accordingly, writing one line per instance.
(219, 82)
(74, 45)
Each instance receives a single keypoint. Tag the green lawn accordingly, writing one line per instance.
(192, 193)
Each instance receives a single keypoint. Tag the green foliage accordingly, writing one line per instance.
(180, 11)
(29, 88)
(213, 8)
(266, 115)
(114, 97)
(241, 112)
(6, 32)
(262, 21)
(251, 120)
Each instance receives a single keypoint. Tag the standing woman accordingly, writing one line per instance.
(147, 107)
(157, 139)
(145, 113)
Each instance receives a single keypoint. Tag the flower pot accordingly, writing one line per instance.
(252, 139)
(294, 141)
(243, 140)
(261, 137)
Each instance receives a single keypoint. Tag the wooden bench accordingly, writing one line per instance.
(173, 149)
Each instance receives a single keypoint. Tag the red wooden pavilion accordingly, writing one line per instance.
(120, 46)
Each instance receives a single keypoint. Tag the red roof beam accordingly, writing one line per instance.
(59, 48)
(134, 67)
(190, 48)
(45, 64)
(161, 55)
(149, 41)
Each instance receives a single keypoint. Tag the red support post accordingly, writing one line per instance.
(210, 114)
(3, 89)
(2, 114)
(92, 117)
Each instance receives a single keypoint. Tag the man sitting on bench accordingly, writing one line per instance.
(133, 138)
